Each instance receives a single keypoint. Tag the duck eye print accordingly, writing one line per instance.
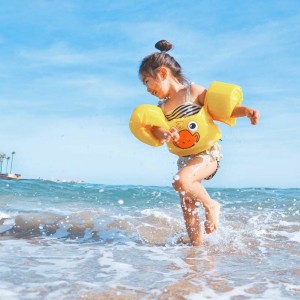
(193, 126)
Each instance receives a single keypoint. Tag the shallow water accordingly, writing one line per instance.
(84, 241)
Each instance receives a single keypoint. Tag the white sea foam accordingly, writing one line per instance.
(286, 223)
(4, 215)
(292, 236)
(249, 290)
(157, 214)
(118, 270)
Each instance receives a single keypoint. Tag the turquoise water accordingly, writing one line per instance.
(87, 241)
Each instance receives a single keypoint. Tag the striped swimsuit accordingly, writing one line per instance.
(184, 110)
(187, 109)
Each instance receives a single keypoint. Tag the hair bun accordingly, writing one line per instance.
(163, 46)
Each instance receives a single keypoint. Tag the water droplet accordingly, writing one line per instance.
(176, 177)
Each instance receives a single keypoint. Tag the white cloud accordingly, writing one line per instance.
(56, 54)
(62, 54)
(74, 93)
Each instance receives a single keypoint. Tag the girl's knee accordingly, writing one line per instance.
(181, 184)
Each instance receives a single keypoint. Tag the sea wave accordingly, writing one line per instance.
(85, 241)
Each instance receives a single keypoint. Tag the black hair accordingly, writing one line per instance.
(152, 62)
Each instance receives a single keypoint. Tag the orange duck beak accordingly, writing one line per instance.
(186, 139)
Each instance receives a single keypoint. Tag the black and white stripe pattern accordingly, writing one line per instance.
(184, 110)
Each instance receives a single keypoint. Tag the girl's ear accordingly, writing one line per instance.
(163, 72)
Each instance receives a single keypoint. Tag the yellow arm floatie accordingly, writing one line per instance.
(220, 100)
(142, 119)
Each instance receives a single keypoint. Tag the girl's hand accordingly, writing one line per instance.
(253, 115)
(242, 111)
(164, 135)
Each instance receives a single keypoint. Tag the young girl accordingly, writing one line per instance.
(162, 76)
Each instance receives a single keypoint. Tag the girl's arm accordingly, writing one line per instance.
(244, 111)
(198, 92)
(239, 111)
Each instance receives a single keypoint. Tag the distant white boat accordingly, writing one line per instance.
(10, 176)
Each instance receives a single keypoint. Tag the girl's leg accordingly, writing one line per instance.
(192, 194)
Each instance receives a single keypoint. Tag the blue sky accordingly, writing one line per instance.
(69, 83)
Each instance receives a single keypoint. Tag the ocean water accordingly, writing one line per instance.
(87, 241)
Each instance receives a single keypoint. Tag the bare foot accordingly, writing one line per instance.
(212, 217)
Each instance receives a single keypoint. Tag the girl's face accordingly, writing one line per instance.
(157, 86)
